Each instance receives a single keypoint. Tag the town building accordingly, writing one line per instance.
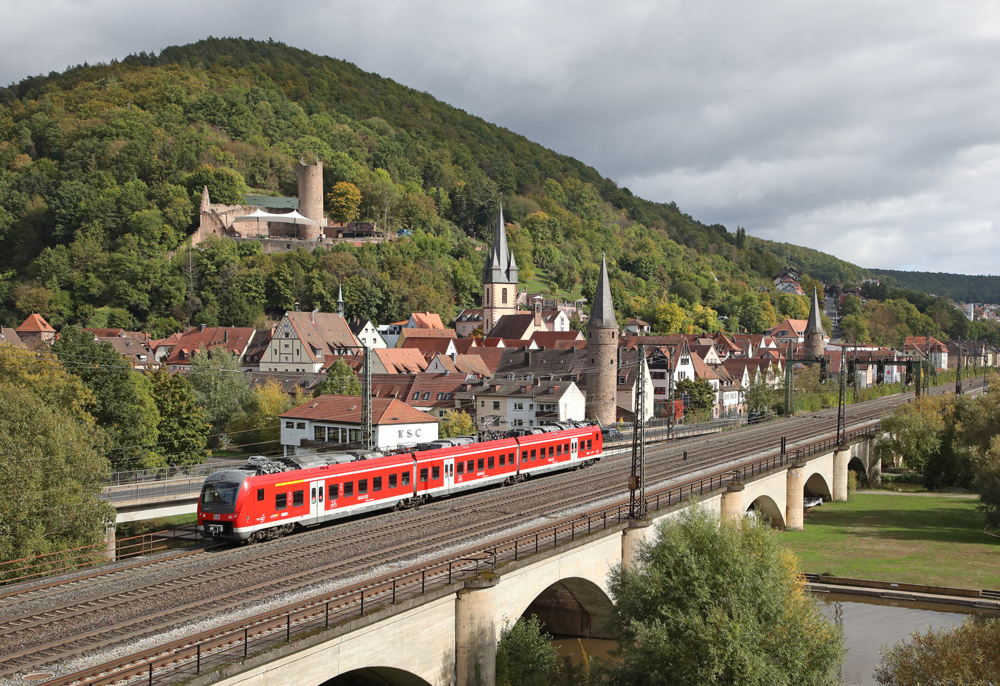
(332, 423)
(367, 333)
(234, 340)
(34, 330)
(301, 341)
(518, 403)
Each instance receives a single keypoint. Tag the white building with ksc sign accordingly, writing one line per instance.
(332, 423)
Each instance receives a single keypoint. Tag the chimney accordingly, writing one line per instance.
(225, 336)
(312, 316)
(454, 356)
(201, 328)
(527, 358)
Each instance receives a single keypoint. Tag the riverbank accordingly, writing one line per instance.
(920, 539)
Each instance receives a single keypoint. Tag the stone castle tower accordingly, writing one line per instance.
(499, 279)
(815, 336)
(602, 352)
(310, 198)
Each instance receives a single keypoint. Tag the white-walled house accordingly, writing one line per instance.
(529, 402)
(331, 422)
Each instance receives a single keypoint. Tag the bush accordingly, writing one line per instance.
(968, 654)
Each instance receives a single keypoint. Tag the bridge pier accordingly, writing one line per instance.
(874, 466)
(476, 633)
(732, 502)
(794, 494)
(841, 458)
(633, 537)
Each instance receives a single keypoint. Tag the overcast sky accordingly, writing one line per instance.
(865, 128)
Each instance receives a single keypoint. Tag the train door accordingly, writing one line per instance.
(449, 474)
(316, 499)
(574, 449)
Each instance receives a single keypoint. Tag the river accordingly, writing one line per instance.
(870, 623)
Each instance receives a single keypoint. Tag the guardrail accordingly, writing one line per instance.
(72, 559)
(191, 656)
(169, 473)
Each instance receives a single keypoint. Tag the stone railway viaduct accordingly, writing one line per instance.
(448, 637)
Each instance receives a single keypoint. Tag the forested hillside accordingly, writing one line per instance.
(101, 169)
(960, 287)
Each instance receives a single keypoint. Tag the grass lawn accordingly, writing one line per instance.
(914, 539)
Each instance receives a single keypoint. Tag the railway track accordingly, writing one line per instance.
(36, 632)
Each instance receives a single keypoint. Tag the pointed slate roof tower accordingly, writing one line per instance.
(815, 336)
(602, 352)
(602, 314)
(500, 266)
(499, 279)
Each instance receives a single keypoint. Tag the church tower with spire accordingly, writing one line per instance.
(499, 279)
(602, 352)
(815, 337)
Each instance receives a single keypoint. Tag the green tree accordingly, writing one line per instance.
(52, 466)
(340, 380)
(967, 654)
(221, 388)
(765, 391)
(669, 317)
(261, 423)
(343, 202)
(701, 394)
(525, 656)
(912, 433)
(456, 423)
(712, 602)
(183, 426)
(224, 185)
(124, 402)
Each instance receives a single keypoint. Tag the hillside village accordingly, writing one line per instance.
(515, 363)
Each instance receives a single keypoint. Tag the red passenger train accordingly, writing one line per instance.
(269, 498)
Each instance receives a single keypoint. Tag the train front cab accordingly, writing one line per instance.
(223, 496)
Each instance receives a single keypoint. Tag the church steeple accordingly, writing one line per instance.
(499, 278)
(500, 266)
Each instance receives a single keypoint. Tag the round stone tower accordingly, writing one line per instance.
(311, 198)
(602, 353)
(815, 337)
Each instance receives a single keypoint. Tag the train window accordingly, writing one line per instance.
(559, 450)
(461, 468)
(280, 501)
(376, 483)
(348, 489)
(532, 455)
(470, 466)
(566, 448)
(260, 494)
(489, 462)
(362, 486)
(423, 475)
(589, 443)
(552, 451)
(480, 464)
(332, 492)
(406, 478)
(435, 473)
(298, 498)
(510, 458)
(392, 481)
(503, 460)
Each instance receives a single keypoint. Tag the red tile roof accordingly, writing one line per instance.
(233, 339)
(548, 339)
(35, 324)
(429, 347)
(346, 409)
(401, 360)
(427, 320)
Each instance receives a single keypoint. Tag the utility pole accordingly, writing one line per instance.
(842, 400)
(958, 369)
(637, 480)
(856, 379)
(789, 380)
(670, 393)
(368, 437)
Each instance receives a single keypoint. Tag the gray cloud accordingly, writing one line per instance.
(866, 129)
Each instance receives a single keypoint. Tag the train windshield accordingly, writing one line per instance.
(219, 496)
